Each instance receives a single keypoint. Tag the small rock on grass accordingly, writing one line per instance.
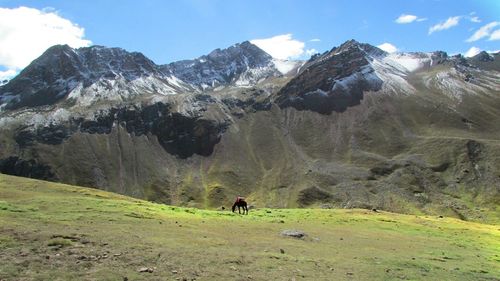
(145, 269)
(294, 233)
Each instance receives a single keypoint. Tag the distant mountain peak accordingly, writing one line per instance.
(241, 63)
(57, 49)
(60, 69)
(484, 57)
(244, 46)
(353, 45)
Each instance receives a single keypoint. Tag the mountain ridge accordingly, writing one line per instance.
(192, 74)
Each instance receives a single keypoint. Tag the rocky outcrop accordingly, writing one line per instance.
(31, 168)
(179, 135)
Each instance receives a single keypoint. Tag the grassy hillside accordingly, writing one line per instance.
(53, 231)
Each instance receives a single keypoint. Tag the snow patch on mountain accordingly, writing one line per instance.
(392, 69)
(392, 75)
(408, 62)
(454, 84)
(121, 90)
(366, 73)
(179, 84)
(253, 76)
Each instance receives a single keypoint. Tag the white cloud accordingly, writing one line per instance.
(484, 31)
(7, 74)
(404, 18)
(474, 19)
(495, 35)
(281, 46)
(315, 40)
(472, 52)
(388, 47)
(449, 23)
(25, 33)
(311, 52)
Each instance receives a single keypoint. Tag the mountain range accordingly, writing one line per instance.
(354, 127)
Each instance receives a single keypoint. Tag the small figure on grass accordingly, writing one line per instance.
(240, 203)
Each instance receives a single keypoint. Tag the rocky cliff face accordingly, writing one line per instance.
(178, 134)
(353, 127)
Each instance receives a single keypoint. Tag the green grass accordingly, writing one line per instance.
(52, 231)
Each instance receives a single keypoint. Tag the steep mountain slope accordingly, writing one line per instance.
(354, 127)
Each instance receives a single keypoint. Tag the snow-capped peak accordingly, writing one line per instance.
(240, 65)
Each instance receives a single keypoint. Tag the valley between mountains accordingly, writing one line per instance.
(354, 127)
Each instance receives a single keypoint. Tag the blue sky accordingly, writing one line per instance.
(166, 31)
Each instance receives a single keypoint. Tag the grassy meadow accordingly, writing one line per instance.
(51, 231)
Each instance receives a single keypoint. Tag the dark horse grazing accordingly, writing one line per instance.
(240, 203)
